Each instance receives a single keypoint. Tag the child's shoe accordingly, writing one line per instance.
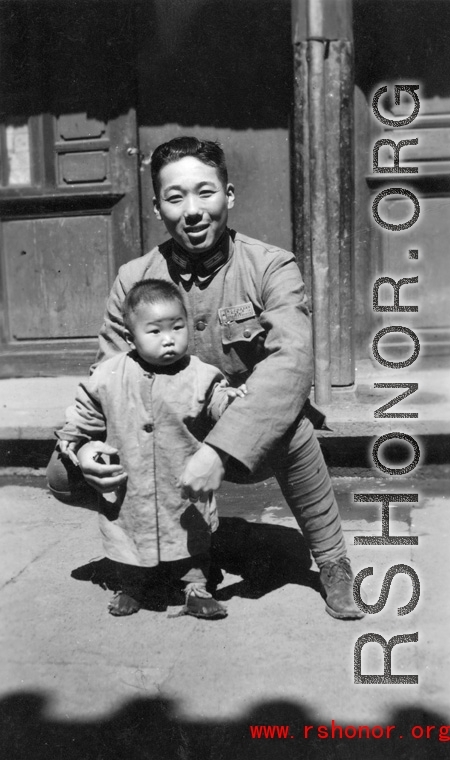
(202, 604)
(123, 604)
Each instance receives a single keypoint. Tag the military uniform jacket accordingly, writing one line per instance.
(155, 419)
(250, 319)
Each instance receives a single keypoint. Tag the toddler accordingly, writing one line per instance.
(153, 406)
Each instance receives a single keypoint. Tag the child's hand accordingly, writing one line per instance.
(68, 450)
(233, 393)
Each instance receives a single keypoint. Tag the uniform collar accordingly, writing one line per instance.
(204, 267)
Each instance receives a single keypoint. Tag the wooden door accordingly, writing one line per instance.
(403, 42)
(428, 238)
(69, 203)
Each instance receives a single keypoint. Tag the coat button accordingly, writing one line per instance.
(247, 333)
(148, 427)
(200, 325)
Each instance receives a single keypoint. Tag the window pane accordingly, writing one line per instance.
(18, 171)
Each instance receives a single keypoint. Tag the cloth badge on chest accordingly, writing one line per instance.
(236, 313)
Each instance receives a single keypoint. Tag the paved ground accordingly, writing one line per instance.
(78, 684)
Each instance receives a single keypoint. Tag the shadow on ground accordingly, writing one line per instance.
(146, 729)
(265, 556)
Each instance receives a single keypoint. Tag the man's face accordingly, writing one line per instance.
(193, 204)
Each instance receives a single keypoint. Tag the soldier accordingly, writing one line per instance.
(247, 314)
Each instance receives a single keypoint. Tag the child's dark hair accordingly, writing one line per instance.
(151, 292)
(207, 151)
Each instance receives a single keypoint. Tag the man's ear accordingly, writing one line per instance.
(230, 195)
(156, 208)
(129, 338)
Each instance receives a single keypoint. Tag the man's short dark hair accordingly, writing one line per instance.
(207, 151)
(151, 292)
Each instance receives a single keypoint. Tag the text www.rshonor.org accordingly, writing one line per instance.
(351, 732)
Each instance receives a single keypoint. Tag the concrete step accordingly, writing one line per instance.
(31, 409)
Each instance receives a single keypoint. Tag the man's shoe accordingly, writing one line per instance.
(336, 581)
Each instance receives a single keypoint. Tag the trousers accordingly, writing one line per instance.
(191, 570)
(305, 483)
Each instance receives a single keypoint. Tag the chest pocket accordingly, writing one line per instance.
(244, 330)
(243, 345)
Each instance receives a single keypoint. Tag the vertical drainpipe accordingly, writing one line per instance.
(316, 51)
(315, 25)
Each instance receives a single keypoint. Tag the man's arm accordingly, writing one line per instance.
(279, 384)
(205, 470)
(106, 477)
(84, 419)
(111, 339)
(83, 433)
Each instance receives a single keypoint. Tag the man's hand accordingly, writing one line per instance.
(102, 477)
(203, 473)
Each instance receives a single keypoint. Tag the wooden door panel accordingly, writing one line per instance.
(79, 127)
(69, 187)
(83, 168)
(58, 275)
(430, 237)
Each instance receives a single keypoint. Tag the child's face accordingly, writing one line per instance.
(160, 333)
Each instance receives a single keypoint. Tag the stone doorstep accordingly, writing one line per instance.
(355, 428)
(32, 408)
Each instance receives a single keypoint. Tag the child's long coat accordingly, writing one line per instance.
(156, 420)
